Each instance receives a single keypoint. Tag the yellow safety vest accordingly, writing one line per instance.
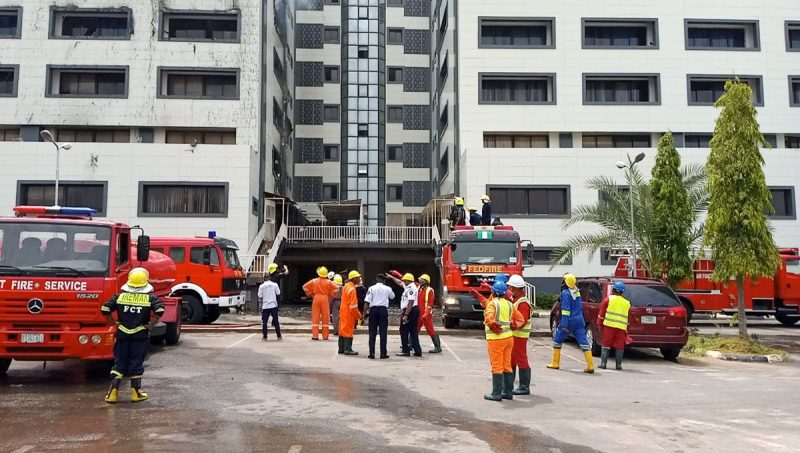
(525, 331)
(502, 316)
(617, 312)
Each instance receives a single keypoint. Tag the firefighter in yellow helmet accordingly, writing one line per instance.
(277, 276)
(409, 334)
(321, 290)
(426, 302)
(458, 216)
(571, 322)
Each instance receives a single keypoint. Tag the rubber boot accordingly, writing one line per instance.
(589, 362)
(604, 358)
(348, 347)
(437, 345)
(508, 386)
(113, 391)
(618, 356)
(524, 382)
(497, 389)
(556, 363)
(341, 345)
(137, 394)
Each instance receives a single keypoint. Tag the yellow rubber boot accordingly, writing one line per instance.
(137, 394)
(556, 363)
(589, 362)
(111, 396)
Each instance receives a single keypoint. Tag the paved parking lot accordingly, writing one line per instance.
(233, 392)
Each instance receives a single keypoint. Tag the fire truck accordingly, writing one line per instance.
(209, 276)
(472, 256)
(57, 267)
(777, 296)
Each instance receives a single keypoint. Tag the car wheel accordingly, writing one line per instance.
(671, 353)
(4, 364)
(787, 320)
(450, 322)
(192, 310)
(596, 348)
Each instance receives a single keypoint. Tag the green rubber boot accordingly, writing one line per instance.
(348, 347)
(497, 389)
(341, 345)
(604, 358)
(524, 382)
(437, 345)
(618, 355)
(508, 386)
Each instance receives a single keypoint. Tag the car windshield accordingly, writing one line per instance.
(46, 249)
(651, 296)
(484, 252)
(231, 258)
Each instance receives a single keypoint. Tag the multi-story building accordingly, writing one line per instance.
(166, 106)
(530, 102)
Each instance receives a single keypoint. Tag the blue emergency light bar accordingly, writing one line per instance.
(212, 234)
(54, 210)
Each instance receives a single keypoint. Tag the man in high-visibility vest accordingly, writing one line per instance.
(613, 317)
(572, 322)
(519, 353)
(425, 300)
(497, 318)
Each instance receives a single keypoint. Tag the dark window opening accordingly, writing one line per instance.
(200, 27)
(394, 36)
(363, 130)
(89, 83)
(217, 85)
(722, 35)
(330, 192)
(395, 75)
(707, 90)
(619, 34)
(394, 114)
(331, 35)
(394, 153)
(178, 254)
(515, 33)
(532, 201)
(196, 256)
(94, 135)
(9, 23)
(515, 141)
(394, 192)
(69, 194)
(363, 52)
(101, 25)
(516, 89)
(8, 81)
(330, 113)
(330, 153)
(697, 140)
(616, 141)
(791, 141)
(180, 199)
(331, 74)
(600, 90)
(205, 137)
(782, 202)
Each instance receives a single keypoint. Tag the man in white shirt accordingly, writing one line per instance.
(377, 303)
(268, 294)
(409, 335)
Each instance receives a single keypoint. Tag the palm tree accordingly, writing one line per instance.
(612, 214)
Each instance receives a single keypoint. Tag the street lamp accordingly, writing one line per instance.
(48, 137)
(631, 163)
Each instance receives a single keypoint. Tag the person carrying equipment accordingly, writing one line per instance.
(349, 314)
(571, 322)
(613, 318)
(425, 300)
(321, 290)
(497, 318)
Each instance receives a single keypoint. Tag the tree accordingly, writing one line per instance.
(672, 214)
(736, 228)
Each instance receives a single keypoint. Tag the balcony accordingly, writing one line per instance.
(364, 235)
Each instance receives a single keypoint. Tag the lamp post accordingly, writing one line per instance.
(48, 137)
(631, 163)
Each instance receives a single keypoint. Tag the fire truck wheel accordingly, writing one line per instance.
(689, 309)
(4, 364)
(787, 320)
(173, 334)
(212, 314)
(450, 322)
(192, 310)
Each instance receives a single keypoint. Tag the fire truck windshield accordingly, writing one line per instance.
(231, 258)
(47, 249)
(484, 252)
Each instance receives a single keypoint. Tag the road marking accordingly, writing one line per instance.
(23, 449)
(555, 450)
(524, 400)
(569, 356)
(240, 341)
(447, 346)
(295, 449)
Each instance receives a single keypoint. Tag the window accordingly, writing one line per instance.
(9, 22)
(330, 113)
(93, 135)
(76, 81)
(196, 255)
(511, 32)
(363, 170)
(178, 254)
(443, 71)
(395, 74)
(442, 31)
(395, 3)
(616, 33)
(606, 259)
(444, 164)
(200, 26)
(8, 80)
(331, 74)
(794, 91)
(277, 114)
(539, 201)
(183, 199)
(792, 36)
(394, 192)
(791, 141)
(198, 83)
(363, 130)
(330, 153)
(499, 140)
(624, 191)
(9, 134)
(616, 141)
(543, 256)
(443, 119)
(705, 90)
(782, 202)
(697, 140)
(70, 193)
(394, 153)
(202, 136)
(86, 23)
(394, 36)
(722, 35)
(331, 35)
(517, 88)
(330, 192)
(394, 114)
(363, 52)
(620, 89)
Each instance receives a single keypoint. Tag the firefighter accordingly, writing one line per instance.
(457, 214)
(613, 318)
(519, 354)
(486, 210)
(321, 290)
(571, 322)
(277, 277)
(426, 300)
(497, 318)
(349, 314)
(474, 218)
(336, 302)
(133, 307)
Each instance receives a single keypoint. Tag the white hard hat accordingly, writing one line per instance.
(516, 281)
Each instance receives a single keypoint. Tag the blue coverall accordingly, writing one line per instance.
(571, 320)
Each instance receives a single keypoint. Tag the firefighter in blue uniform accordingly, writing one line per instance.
(572, 322)
(133, 307)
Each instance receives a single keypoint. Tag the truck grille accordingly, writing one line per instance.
(52, 309)
(230, 285)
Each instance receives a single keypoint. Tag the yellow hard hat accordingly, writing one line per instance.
(322, 271)
(337, 279)
(272, 268)
(472, 209)
(485, 198)
(137, 277)
(459, 201)
(353, 274)
(425, 277)
(569, 279)
(408, 278)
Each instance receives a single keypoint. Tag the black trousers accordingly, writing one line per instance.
(378, 322)
(129, 355)
(265, 314)
(409, 335)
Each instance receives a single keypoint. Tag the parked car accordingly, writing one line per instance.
(657, 318)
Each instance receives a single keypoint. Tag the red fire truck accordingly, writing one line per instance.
(474, 255)
(778, 296)
(57, 267)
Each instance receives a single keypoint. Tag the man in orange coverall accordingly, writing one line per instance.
(498, 317)
(425, 300)
(321, 290)
(348, 314)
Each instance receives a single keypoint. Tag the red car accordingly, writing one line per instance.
(657, 318)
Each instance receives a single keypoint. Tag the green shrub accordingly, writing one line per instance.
(545, 301)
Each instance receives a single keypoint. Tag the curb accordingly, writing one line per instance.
(747, 358)
(255, 328)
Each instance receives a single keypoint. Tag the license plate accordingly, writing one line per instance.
(648, 319)
(33, 338)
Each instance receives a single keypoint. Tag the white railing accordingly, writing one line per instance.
(359, 234)
(256, 264)
(530, 293)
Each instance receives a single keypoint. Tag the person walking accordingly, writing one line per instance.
(519, 353)
(409, 336)
(475, 219)
(376, 303)
(571, 322)
(268, 294)
(426, 299)
(335, 303)
(348, 314)
(613, 318)
(321, 290)
(486, 210)
(133, 306)
(497, 318)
